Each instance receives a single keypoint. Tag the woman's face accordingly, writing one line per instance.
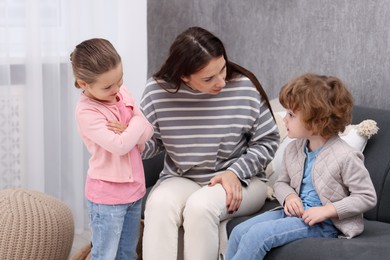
(210, 79)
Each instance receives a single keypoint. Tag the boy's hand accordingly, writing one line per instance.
(293, 206)
(316, 215)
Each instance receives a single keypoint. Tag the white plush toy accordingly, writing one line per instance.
(358, 135)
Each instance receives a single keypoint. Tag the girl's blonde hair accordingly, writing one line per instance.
(92, 58)
(324, 102)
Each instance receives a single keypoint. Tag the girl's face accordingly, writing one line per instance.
(210, 79)
(295, 126)
(106, 86)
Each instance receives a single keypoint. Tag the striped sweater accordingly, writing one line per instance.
(206, 134)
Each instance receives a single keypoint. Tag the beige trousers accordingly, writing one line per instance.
(179, 202)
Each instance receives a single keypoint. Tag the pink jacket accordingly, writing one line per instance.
(110, 158)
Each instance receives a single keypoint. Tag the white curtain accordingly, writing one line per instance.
(40, 147)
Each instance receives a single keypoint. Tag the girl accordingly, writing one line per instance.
(114, 131)
(323, 185)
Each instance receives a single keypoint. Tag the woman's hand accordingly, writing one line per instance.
(116, 126)
(233, 188)
(293, 206)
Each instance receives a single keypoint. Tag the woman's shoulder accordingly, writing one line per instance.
(151, 80)
(153, 84)
(239, 78)
(241, 82)
(155, 90)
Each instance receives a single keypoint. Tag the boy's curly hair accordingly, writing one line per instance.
(324, 102)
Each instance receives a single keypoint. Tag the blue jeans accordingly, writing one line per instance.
(253, 238)
(115, 230)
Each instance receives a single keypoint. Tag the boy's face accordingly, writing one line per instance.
(295, 126)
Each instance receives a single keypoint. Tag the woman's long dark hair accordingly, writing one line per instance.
(191, 51)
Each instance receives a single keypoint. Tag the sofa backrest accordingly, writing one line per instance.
(152, 168)
(377, 159)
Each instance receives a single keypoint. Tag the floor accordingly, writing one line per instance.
(79, 241)
(83, 239)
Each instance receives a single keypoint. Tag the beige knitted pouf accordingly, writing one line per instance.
(34, 226)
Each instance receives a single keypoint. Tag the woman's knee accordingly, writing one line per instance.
(198, 207)
(195, 208)
(160, 206)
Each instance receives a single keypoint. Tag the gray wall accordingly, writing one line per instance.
(281, 39)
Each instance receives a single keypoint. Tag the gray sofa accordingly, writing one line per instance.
(374, 242)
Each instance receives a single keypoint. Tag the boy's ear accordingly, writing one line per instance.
(83, 85)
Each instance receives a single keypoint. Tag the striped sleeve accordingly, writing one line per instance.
(262, 144)
(154, 146)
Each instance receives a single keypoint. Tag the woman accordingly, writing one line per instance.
(214, 122)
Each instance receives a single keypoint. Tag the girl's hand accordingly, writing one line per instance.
(293, 206)
(116, 126)
(233, 188)
(316, 215)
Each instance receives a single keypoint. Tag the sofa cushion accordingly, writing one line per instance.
(372, 244)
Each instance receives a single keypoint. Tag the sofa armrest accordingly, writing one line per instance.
(152, 168)
(377, 159)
